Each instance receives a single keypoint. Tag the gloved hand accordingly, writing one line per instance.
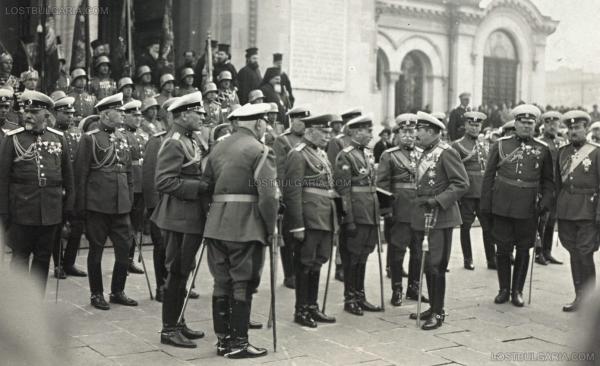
(203, 186)
(298, 235)
(350, 230)
(542, 208)
(429, 203)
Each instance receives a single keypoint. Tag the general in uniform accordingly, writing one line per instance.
(308, 192)
(441, 181)
(36, 186)
(519, 169)
(240, 223)
(474, 155)
(354, 175)
(180, 212)
(104, 196)
(578, 180)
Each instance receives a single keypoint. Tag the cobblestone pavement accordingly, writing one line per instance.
(476, 331)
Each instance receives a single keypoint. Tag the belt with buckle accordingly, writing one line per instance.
(405, 185)
(137, 162)
(518, 183)
(40, 182)
(329, 193)
(234, 198)
(364, 189)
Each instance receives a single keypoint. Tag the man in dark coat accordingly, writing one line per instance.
(383, 143)
(456, 125)
(271, 88)
(223, 63)
(249, 77)
(286, 84)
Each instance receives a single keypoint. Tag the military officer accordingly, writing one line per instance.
(441, 181)
(281, 147)
(456, 124)
(308, 192)
(396, 173)
(151, 199)
(136, 139)
(518, 169)
(102, 85)
(36, 187)
(474, 154)
(6, 103)
(186, 82)
(214, 114)
(144, 88)
(84, 102)
(577, 182)
(104, 196)
(180, 212)
(354, 175)
(236, 251)
(551, 120)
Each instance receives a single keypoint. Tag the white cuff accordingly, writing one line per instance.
(297, 230)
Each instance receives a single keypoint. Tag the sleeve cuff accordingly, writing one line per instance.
(297, 230)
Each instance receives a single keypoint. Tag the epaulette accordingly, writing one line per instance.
(15, 131)
(339, 136)
(503, 138)
(347, 149)
(540, 141)
(418, 149)
(300, 146)
(158, 134)
(444, 145)
(592, 143)
(391, 149)
(176, 136)
(59, 133)
(95, 130)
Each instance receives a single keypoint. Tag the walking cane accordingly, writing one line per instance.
(380, 266)
(424, 251)
(538, 244)
(331, 259)
(189, 291)
(277, 239)
(141, 259)
(272, 307)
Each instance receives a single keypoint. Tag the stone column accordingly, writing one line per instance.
(392, 78)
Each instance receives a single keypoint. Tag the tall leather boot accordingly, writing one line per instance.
(577, 275)
(519, 276)
(39, 271)
(396, 271)
(350, 297)
(287, 262)
(437, 315)
(547, 241)
(414, 266)
(302, 315)
(313, 304)
(465, 244)
(490, 249)
(503, 263)
(360, 290)
(220, 311)
(240, 347)
(171, 333)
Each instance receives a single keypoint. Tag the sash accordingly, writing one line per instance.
(428, 161)
(579, 157)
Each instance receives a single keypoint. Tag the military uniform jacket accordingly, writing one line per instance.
(152, 127)
(137, 140)
(282, 146)
(577, 182)
(553, 146)
(5, 127)
(9, 80)
(214, 114)
(72, 137)
(103, 87)
(181, 91)
(336, 145)
(143, 91)
(308, 190)
(396, 173)
(517, 171)
(180, 184)
(354, 176)
(103, 178)
(237, 166)
(474, 155)
(36, 185)
(227, 97)
(441, 176)
(149, 169)
(84, 103)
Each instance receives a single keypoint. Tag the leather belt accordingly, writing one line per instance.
(329, 193)
(234, 198)
(137, 162)
(405, 185)
(518, 183)
(364, 189)
(41, 182)
(576, 190)
(477, 173)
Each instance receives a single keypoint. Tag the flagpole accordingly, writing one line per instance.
(129, 48)
(42, 81)
(88, 56)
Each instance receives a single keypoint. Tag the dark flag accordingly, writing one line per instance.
(80, 47)
(120, 61)
(51, 64)
(166, 39)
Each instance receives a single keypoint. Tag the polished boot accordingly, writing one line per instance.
(518, 280)
(97, 301)
(121, 298)
(220, 311)
(303, 317)
(254, 325)
(541, 259)
(550, 259)
(193, 294)
(301, 314)
(360, 290)
(313, 305)
(465, 244)
(240, 347)
(74, 271)
(503, 263)
(59, 273)
(577, 276)
(433, 322)
(424, 315)
(412, 293)
(350, 304)
(173, 336)
(468, 264)
(396, 270)
(490, 249)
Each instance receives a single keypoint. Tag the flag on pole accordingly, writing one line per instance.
(166, 39)
(80, 46)
(51, 64)
(120, 58)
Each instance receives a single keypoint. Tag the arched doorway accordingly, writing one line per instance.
(411, 86)
(500, 64)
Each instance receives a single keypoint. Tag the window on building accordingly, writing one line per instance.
(500, 64)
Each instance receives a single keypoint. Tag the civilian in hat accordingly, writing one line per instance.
(214, 112)
(441, 181)
(311, 215)
(186, 82)
(383, 144)
(456, 125)
(6, 103)
(30, 80)
(201, 65)
(144, 87)
(167, 91)
(150, 124)
(7, 79)
(551, 121)
(84, 102)
(227, 95)
(182, 189)
(249, 77)
(474, 155)
(396, 173)
(126, 87)
(354, 174)
(517, 188)
(578, 164)
(102, 85)
(271, 88)
(223, 63)
(104, 197)
(38, 179)
(286, 86)
(232, 164)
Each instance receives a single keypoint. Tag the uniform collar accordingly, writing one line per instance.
(356, 145)
(182, 130)
(107, 129)
(469, 137)
(549, 135)
(432, 145)
(523, 139)
(406, 147)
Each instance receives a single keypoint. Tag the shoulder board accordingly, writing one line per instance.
(540, 141)
(158, 134)
(591, 143)
(443, 145)
(60, 133)
(392, 149)
(95, 130)
(339, 136)
(347, 149)
(504, 138)
(418, 149)
(15, 131)
(176, 136)
(300, 146)
(12, 124)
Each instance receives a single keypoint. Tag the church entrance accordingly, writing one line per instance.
(411, 85)
(500, 64)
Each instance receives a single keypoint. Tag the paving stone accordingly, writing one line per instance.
(88, 357)
(116, 343)
(154, 358)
